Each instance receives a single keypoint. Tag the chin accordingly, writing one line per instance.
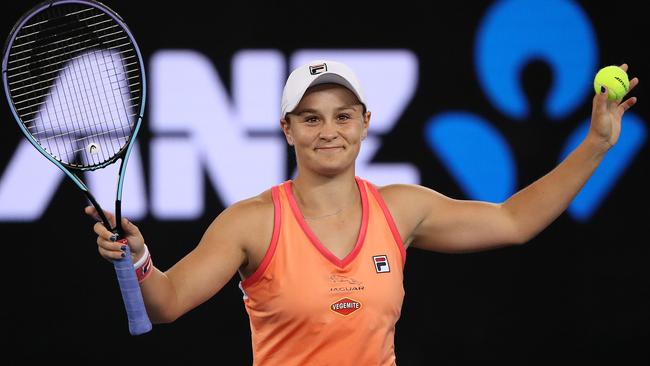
(331, 166)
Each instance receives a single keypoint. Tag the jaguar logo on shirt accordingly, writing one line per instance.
(339, 283)
(345, 306)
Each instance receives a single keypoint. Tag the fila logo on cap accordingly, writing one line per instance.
(381, 263)
(317, 69)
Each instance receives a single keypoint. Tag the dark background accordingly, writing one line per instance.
(577, 293)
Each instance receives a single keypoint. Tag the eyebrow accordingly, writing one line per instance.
(305, 111)
(314, 111)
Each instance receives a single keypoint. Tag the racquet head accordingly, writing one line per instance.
(74, 78)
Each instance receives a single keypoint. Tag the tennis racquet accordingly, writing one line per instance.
(75, 82)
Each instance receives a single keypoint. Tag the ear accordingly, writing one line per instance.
(286, 129)
(366, 125)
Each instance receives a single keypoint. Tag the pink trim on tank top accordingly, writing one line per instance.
(391, 222)
(341, 263)
(277, 215)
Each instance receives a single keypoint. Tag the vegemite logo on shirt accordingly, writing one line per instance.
(345, 306)
(381, 263)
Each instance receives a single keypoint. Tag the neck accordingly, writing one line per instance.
(320, 197)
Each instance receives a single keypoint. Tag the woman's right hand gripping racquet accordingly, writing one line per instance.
(75, 82)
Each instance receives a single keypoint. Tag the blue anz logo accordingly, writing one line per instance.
(512, 35)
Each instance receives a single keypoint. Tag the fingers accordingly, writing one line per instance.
(111, 250)
(633, 83)
(627, 104)
(129, 228)
(602, 105)
(92, 212)
(600, 100)
(107, 245)
(110, 246)
(102, 231)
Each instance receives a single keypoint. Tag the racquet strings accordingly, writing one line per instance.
(75, 80)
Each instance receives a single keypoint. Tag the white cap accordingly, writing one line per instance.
(314, 73)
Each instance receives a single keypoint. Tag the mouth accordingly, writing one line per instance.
(329, 148)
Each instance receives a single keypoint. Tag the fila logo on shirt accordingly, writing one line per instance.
(381, 263)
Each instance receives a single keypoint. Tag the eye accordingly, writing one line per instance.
(311, 119)
(343, 117)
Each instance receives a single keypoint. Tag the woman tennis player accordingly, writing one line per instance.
(321, 256)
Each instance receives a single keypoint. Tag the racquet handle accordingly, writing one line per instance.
(139, 322)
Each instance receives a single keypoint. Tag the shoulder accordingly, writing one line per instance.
(410, 199)
(401, 191)
(236, 232)
(250, 209)
(408, 204)
(243, 223)
(249, 224)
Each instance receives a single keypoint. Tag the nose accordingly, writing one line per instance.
(329, 130)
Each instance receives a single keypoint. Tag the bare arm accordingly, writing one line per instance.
(429, 220)
(199, 275)
(222, 251)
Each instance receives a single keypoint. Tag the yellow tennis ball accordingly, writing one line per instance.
(614, 79)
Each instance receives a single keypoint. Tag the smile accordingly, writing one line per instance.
(329, 148)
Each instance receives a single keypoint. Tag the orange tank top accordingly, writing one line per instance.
(308, 307)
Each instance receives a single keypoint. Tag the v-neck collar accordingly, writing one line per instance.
(341, 263)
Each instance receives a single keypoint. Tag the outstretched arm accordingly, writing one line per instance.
(429, 220)
(222, 251)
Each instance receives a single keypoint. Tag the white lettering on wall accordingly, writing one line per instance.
(200, 129)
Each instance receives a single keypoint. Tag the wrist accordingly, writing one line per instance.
(143, 266)
(597, 146)
(598, 142)
(140, 257)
